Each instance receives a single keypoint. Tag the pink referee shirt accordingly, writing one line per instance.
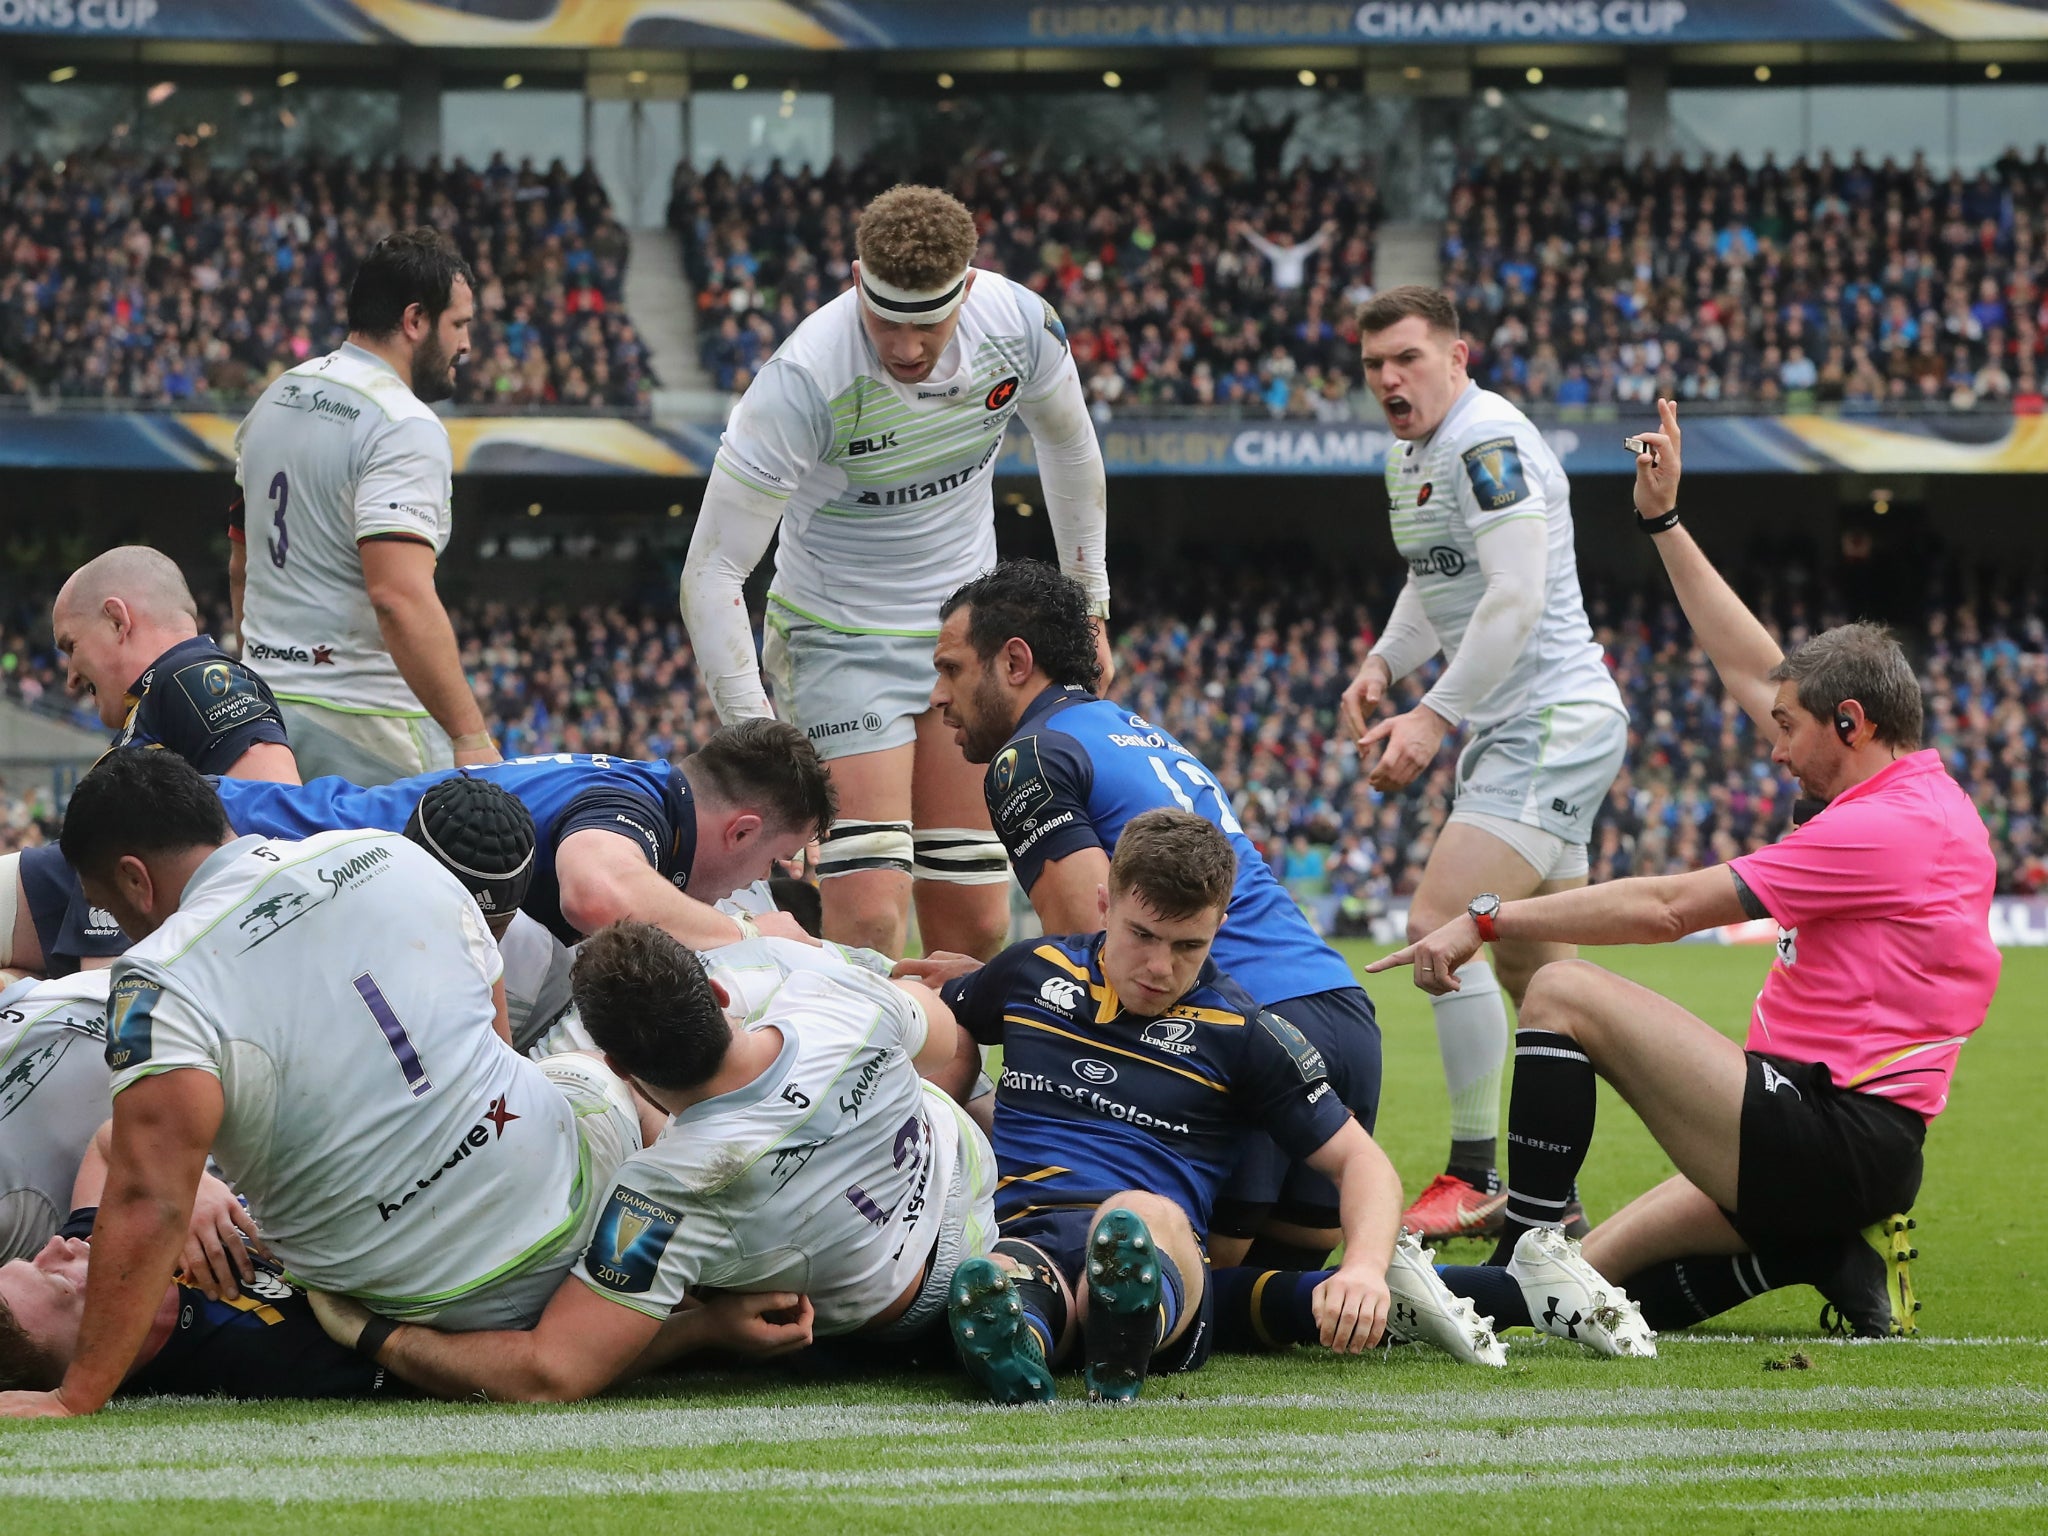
(1885, 964)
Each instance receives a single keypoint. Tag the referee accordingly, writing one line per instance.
(347, 482)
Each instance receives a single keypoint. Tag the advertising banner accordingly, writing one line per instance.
(933, 24)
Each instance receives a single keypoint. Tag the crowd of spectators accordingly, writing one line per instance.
(176, 283)
(1179, 285)
(1246, 666)
(1824, 282)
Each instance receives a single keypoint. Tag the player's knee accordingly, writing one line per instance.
(1514, 972)
(1166, 1220)
(1554, 997)
(1424, 918)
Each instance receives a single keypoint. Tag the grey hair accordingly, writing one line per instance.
(1861, 662)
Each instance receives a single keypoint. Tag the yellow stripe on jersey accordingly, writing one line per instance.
(1097, 1045)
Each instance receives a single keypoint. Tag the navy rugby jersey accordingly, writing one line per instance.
(649, 804)
(1094, 1100)
(1077, 768)
(199, 702)
(266, 1343)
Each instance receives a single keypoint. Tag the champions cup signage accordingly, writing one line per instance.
(883, 25)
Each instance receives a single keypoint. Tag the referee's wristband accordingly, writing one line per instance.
(374, 1333)
(1662, 524)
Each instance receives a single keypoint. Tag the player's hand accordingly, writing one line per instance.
(1105, 655)
(1437, 956)
(762, 1324)
(216, 1258)
(936, 968)
(342, 1317)
(1657, 469)
(476, 751)
(780, 925)
(1411, 742)
(1361, 700)
(1351, 1309)
(35, 1405)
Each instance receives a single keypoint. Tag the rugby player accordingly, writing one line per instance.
(351, 478)
(805, 1160)
(1132, 1067)
(1797, 1151)
(320, 1015)
(870, 438)
(1066, 771)
(655, 841)
(53, 1096)
(1482, 513)
(129, 633)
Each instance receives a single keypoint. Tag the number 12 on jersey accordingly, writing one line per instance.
(1200, 778)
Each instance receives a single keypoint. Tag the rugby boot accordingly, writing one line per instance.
(1124, 1292)
(1570, 1299)
(1425, 1312)
(1451, 1207)
(1000, 1350)
(1869, 1292)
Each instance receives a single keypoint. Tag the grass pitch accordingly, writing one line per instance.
(1754, 1421)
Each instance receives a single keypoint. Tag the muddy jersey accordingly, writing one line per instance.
(887, 484)
(1484, 466)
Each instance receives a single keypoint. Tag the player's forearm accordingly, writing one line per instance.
(421, 641)
(137, 1235)
(732, 534)
(1515, 558)
(1369, 1203)
(600, 887)
(506, 1367)
(1076, 487)
(1407, 639)
(1741, 649)
(1650, 909)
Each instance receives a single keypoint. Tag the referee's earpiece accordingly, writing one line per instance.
(1845, 727)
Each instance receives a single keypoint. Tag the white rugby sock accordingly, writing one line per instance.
(1472, 1037)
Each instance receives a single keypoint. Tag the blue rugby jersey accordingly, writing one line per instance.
(648, 804)
(1077, 768)
(199, 702)
(1094, 1099)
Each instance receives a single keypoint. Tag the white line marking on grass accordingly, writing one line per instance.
(1827, 1341)
(2032, 1496)
(1362, 1462)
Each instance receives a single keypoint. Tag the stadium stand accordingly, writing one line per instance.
(1179, 285)
(1835, 281)
(1246, 666)
(169, 282)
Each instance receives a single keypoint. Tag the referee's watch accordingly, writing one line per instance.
(1483, 910)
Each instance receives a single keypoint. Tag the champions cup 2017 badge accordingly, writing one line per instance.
(632, 1235)
(1496, 471)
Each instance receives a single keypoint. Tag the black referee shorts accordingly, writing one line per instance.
(1819, 1161)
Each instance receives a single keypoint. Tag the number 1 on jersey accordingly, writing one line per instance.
(394, 1034)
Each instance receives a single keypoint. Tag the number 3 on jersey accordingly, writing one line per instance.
(1200, 778)
(281, 493)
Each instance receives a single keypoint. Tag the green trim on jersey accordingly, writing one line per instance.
(170, 960)
(718, 462)
(423, 414)
(353, 709)
(841, 629)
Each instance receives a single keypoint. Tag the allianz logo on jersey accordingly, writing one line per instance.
(1442, 560)
(906, 495)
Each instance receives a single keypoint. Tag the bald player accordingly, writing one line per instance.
(129, 631)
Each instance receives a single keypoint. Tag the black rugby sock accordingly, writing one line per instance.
(1278, 1253)
(1262, 1309)
(1681, 1292)
(1550, 1125)
(1491, 1289)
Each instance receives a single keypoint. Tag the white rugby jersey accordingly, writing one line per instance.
(825, 1175)
(1484, 465)
(335, 451)
(887, 484)
(537, 966)
(53, 1096)
(389, 1145)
